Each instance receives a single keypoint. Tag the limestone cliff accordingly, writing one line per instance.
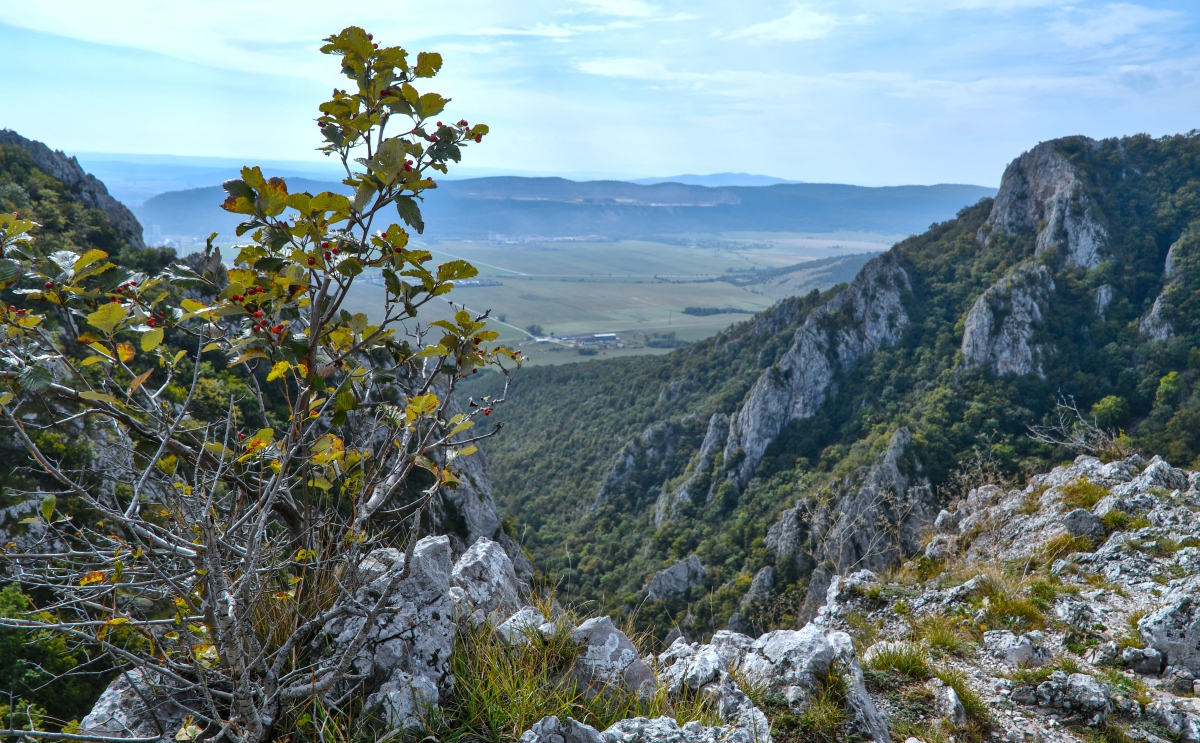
(999, 331)
(1041, 192)
(87, 188)
(864, 317)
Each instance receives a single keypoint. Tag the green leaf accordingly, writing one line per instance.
(350, 267)
(34, 378)
(151, 339)
(363, 196)
(453, 270)
(10, 271)
(410, 212)
(107, 317)
(268, 265)
(48, 504)
(345, 401)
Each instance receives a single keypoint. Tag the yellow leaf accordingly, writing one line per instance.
(108, 317)
(97, 396)
(117, 621)
(278, 370)
(467, 451)
(92, 578)
(151, 339)
(210, 347)
(139, 380)
(125, 351)
(95, 360)
(88, 259)
(191, 305)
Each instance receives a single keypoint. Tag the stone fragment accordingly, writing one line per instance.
(947, 702)
(486, 574)
(522, 627)
(1174, 630)
(1026, 650)
(1083, 523)
(553, 730)
(609, 659)
(1146, 661)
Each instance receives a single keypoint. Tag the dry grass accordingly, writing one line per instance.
(944, 635)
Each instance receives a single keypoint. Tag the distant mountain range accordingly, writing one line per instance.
(512, 207)
(716, 180)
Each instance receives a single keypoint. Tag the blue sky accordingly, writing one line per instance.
(873, 92)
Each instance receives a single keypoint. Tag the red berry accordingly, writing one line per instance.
(241, 435)
(487, 411)
(370, 37)
(397, 251)
(375, 46)
(115, 300)
(49, 284)
(259, 313)
(312, 261)
(21, 312)
(150, 322)
(279, 328)
(327, 256)
(439, 123)
(336, 251)
(324, 244)
(478, 137)
(432, 137)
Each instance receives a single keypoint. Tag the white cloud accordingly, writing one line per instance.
(1111, 24)
(802, 24)
(622, 8)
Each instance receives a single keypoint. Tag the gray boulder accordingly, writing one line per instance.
(133, 707)
(941, 546)
(675, 582)
(1026, 650)
(553, 730)
(1083, 523)
(406, 659)
(794, 659)
(522, 627)
(948, 705)
(1174, 631)
(609, 659)
(485, 573)
(667, 730)
(1146, 661)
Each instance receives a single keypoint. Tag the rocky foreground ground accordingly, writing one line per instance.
(1067, 610)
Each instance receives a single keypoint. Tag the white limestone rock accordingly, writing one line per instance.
(485, 573)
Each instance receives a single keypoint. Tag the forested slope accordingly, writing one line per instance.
(827, 432)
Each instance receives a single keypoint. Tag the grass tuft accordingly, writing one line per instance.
(944, 635)
(502, 689)
(905, 658)
(822, 718)
(1082, 493)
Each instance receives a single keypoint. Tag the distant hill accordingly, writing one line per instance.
(716, 180)
(520, 207)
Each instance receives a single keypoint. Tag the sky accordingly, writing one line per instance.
(871, 92)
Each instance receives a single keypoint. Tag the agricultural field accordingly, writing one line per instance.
(635, 289)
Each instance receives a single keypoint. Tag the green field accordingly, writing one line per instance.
(635, 289)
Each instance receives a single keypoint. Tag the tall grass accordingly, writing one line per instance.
(502, 689)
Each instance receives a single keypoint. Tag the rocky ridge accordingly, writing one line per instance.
(87, 188)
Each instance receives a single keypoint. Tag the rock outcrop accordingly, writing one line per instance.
(87, 188)
(1041, 192)
(675, 582)
(866, 316)
(999, 331)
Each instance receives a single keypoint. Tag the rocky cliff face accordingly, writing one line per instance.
(999, 330)
(87, 188)
(1041, 192)
(866, 316)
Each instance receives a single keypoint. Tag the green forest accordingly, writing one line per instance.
(567, 424)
